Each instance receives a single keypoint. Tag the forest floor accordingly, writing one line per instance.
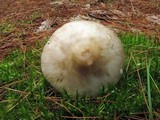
(24, 22)
(26, 25)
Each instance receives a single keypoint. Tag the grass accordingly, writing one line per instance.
(149, 91)
(26, 95)
(5, 28)
(30, 19)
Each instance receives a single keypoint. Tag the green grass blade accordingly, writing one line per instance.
(149, 91)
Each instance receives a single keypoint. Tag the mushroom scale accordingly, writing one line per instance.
(81, 57)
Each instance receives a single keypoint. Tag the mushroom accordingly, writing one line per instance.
(82, 57)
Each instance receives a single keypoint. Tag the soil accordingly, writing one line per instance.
(20, 19)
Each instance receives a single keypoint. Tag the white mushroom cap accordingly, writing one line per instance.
(82, 56)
